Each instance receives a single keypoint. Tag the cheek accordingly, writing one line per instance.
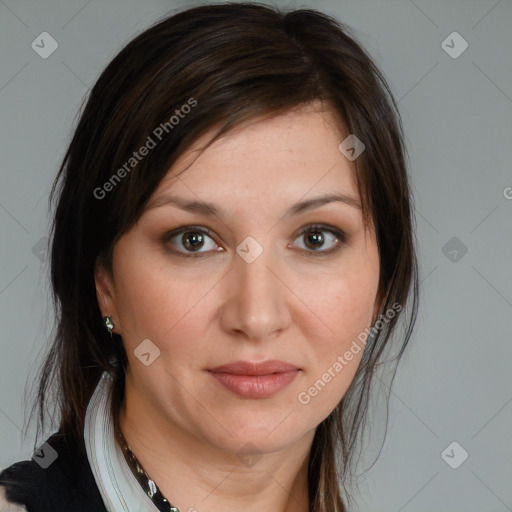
(334, 358)
(336, 355)
(344, 310)
(142, 292)
(344, 305)
(158, 302)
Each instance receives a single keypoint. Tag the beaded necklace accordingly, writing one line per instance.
(148, 485)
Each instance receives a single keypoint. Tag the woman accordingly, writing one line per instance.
(232, 249)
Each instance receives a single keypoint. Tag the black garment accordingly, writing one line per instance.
(67, 485)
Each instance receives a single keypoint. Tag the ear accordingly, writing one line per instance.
(105, 293)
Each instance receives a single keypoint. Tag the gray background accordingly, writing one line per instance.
(454, 384)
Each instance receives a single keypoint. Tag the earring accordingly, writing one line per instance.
(108, 324)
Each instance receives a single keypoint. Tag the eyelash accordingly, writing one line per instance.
(341, 238)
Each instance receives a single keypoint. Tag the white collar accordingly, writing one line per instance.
(118, 486)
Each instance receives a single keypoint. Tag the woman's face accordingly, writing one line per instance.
(193, 290)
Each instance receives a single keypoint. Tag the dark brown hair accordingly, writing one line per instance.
(238, 62)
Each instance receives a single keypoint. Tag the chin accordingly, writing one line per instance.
(263, 431)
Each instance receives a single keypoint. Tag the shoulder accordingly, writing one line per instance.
(58, 477)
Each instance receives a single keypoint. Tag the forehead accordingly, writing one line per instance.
(284, 157)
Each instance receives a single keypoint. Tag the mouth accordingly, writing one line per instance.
(255, 380)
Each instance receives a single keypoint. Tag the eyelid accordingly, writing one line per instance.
(312, 228)
(185, 229)
(340, 235)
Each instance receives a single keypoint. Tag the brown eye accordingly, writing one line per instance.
(321, 240)
(190, 241)
(314, 240)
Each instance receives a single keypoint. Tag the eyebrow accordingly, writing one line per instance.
(206, 208)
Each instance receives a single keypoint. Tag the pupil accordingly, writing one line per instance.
(193, 240)
(314, 240)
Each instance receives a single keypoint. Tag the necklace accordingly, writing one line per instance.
(148, 485)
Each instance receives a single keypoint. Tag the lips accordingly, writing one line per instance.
(255, 380)
(248, 368)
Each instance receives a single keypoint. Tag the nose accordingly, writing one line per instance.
(256, 306)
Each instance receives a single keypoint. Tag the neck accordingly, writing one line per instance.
(196, 476)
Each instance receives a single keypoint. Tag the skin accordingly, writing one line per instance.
(186, 428)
